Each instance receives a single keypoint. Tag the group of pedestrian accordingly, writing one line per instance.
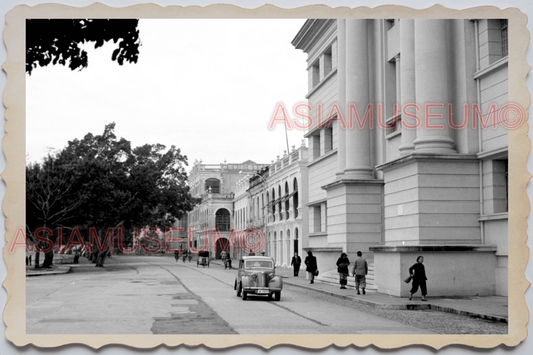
(310, 266)
(359, 271)
(417, 272)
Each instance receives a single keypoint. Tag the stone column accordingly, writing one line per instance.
(341, 95)
(358, 165)
(407, 85)
(431, 80)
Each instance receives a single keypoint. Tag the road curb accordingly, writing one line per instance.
(407, 306)
(58, 271)
(470, 314)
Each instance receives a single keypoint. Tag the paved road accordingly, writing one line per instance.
(157, 295)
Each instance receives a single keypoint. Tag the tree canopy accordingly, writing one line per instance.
(102, 182)
(57, 41)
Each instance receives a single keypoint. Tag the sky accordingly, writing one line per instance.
(207, 86)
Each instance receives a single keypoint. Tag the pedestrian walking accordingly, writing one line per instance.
(26, 261)
(228, 260)
(296, 262)
(418, 273)
(342, 269)
(311, 266)
(176, 255)
(360, 270)
(29, 258)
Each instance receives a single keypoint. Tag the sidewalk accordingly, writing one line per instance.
(54, 270)
(490, 307)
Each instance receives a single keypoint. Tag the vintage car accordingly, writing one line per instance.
(256, 275)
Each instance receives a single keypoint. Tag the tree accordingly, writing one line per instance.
(58, 41)
(51, 199)
(109, 185)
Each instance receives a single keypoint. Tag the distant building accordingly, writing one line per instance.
(393, 188)
(277, 198)
(212, 222)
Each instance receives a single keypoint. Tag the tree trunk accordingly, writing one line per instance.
(48, 257)
(101, 258)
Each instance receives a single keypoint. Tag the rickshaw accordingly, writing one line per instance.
(203, 259)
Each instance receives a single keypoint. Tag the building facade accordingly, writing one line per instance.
(212, 223)
(408, 149)
(277, 196)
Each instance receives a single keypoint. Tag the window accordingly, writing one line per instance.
(287, 200)
(279, 204)
(295, 198)
(328, 138)
(212, 185)
(315, 73)
(317, 219)
(273, 205)
(315, 141)
(222, 220)
(505, 40)
(500, 185)
(326, 58)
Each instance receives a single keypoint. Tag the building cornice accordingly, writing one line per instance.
(342, 181)
(423, 156)
(494, 154)
(309, 33)
(322, 157)
(492, 68)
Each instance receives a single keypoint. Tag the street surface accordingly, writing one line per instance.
(157, 295)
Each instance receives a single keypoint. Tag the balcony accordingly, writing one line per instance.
(218, 196)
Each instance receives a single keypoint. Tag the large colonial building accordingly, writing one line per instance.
(251, 208)
(400, 164)
(212, 223)
(277, 196)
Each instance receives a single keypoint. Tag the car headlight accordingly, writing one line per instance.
(254, 277)
(271, 276)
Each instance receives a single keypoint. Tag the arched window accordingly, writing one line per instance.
(295, 198)
(213, 184)
(274, 205)
(287, 200)
(222, 220)
(279, 204)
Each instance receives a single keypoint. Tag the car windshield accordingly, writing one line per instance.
(251, 264)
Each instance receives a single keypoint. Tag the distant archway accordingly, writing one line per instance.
(222, 244)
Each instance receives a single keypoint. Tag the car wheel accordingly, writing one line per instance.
(244, 295)
(239, 288)
(277, 295)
